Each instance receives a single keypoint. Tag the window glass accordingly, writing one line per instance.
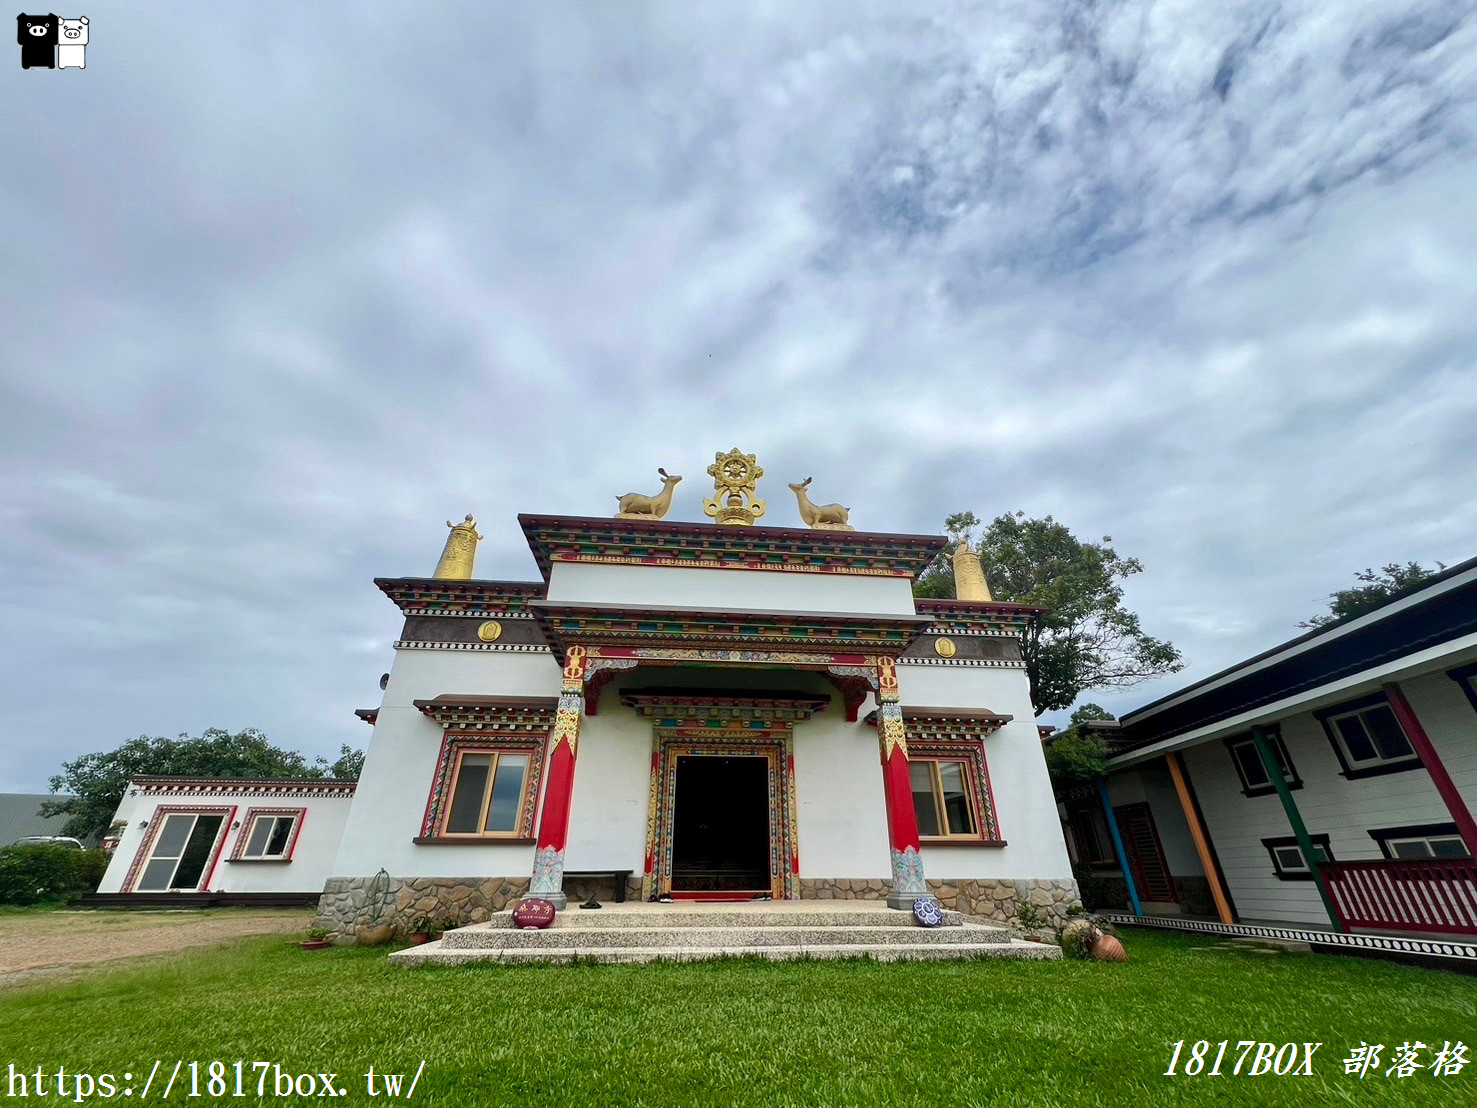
(956, 798)
(281, 829)
(1290, 857)
(1388, 737)
(261, 827)
(921, 775)
(1251, 766)
(1356, 741)
(1410, 848)
(466, 801)
(1448, 847)
(156, 875)
(171, 841)
(507, 792)
(197, 853)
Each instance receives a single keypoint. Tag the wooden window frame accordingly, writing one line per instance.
(1385, 835)
(156, 820)
(1273, 845)
(1328, 717)
(977, 789)
(248, 821)
(1274, 736)
(448, 764)
(940, 812)
(1094, 814)
(496, 754)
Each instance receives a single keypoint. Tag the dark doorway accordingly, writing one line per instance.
(720, 824)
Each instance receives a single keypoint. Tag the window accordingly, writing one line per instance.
(183, 845)
(1287, 858)
(1368, 738)
(1466, 677)
(943, 798)
(1090, 835)
(1421, 842)
(488, 793)
(268, 835)
(1251, 771)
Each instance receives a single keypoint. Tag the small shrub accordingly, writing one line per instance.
(1028, 917)
(42, 873)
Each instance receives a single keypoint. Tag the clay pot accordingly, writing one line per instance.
(376, 935)
(1109, 949)
(315, 944)
(419, 938)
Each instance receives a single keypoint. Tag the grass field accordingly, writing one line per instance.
(750, 1032)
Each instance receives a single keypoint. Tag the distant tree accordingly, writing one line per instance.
(98, 780)
(1086, 639)
(1373, 590)
(1076, 755)
(349, 764)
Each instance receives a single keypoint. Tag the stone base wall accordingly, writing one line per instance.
(992, 899)
(346, 902)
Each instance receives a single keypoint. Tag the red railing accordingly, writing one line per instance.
(1435, 896)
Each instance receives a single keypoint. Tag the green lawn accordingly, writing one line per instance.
(753, 1032)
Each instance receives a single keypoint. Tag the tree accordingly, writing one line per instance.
(1086, 639)
(1076, 755)
(1391, 581)
(98, 780)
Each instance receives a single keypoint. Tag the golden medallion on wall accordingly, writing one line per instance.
(944, 647)
(490, 631)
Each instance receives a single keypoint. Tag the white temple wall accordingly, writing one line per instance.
(841, 809)
(612, 779)
(420, 674)
(1024, 804)
(729, 590)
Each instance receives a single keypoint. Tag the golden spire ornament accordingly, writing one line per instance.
(460, 553)
(734, 477)
(969, 575)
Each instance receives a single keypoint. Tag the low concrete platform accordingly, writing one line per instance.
(686, 931)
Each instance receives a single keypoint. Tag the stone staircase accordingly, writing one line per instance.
(685, 931)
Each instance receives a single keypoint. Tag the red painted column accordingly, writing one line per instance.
(553, 828)
(1461, 815)
(902, 820)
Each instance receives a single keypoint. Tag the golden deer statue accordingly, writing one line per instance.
(822, 517)
(635, 505)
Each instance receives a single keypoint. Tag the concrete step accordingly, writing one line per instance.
(778, 914)
(437, 953)
(485, 937)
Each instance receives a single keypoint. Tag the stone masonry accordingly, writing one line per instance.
(986, 898)
(346, 902)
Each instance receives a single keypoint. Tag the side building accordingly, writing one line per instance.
(1328, 782)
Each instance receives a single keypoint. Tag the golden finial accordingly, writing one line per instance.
(635, 505)
(821, 517)
(460, 553)
(734, 477)
(969, 575)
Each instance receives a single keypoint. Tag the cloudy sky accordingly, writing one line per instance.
(285, 287)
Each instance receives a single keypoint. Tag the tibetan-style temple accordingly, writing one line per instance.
(714, 710)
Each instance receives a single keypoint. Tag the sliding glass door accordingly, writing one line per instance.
(181, 853)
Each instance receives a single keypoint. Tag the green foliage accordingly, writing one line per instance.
(1075, 759)
(1078, 936)
(747, 1032)
(349, 764)
(1374, 589)
(1086, 639)
(99, 779)
(43, 873)
(1076, 756)
(1028, 917)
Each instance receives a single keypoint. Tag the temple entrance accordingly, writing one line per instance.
(721, 825)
